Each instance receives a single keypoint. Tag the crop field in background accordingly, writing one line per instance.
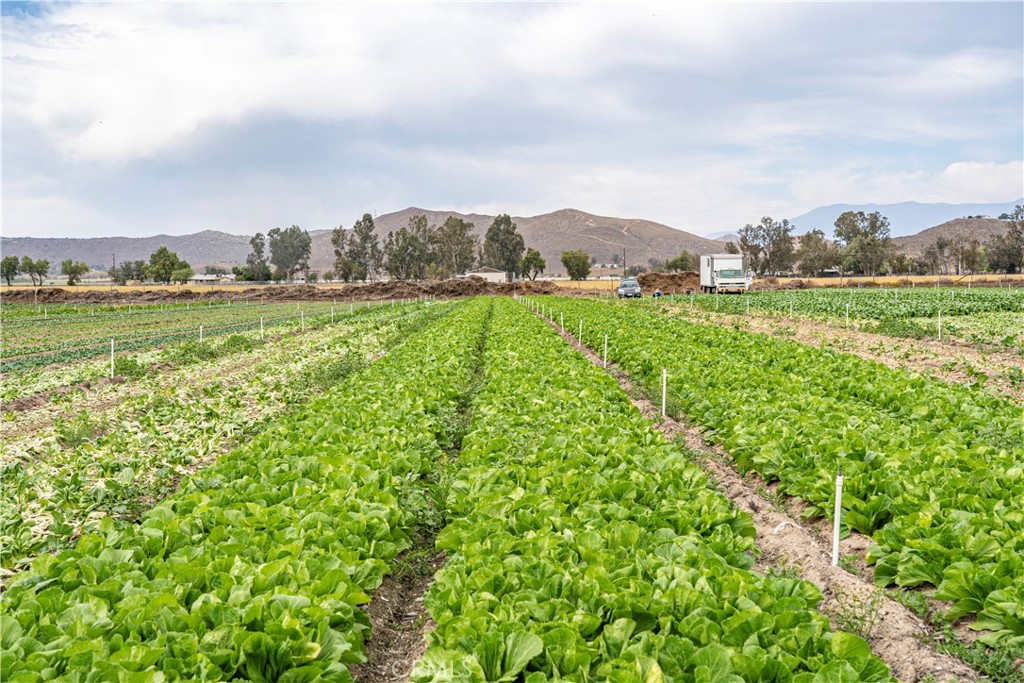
(231, 508)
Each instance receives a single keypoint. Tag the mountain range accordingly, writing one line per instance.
(905, 218)
(551, 233)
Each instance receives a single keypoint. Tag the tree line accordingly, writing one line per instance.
(862, 245)
(38, 269)
(420, 251)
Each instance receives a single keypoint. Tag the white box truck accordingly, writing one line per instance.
(721, 273)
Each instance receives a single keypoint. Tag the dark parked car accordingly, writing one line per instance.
(629, 288)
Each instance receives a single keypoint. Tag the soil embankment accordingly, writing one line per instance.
(373, 291)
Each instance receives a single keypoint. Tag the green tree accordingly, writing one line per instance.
(181, 275)
(768, 245)
(407, 253)
(577, 264)
(9, 268)
(532, 264)
(37, 269)
(162, 264)
(899, 264)
(731, 248)
(455, 246)
(127, 271)
(256, 268)
(311, 278)
(73, 271)
(503, 246)
(1006, 252)
(684, 262)
(343, 265)
(817, 253)
(357, 253)
(289, 249)
(865, 241)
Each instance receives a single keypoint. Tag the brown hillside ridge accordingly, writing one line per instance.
(982, 229)
(553, 233)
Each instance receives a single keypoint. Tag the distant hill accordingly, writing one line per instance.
(906, 218)
(550, 233)
(553, 233)
(199, 249)
(982, 229)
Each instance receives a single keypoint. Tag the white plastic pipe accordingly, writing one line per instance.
(837, 518)
(111, 359)
(664, 389)
(606, 350)
(940, 325)
(261, 328)
(200, 334)
(302, 320)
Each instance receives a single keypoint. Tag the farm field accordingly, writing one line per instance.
(933, 471)
(90, 456)
(273, 507)
(996, 368)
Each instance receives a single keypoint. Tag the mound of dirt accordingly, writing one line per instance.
(373, 291)
(670, 283)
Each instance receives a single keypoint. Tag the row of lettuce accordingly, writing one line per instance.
(60, 481)
(70, 338)
(933, 471)
(256, 569)
(583, 546)
(869, 304)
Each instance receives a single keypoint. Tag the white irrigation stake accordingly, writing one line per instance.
(111, 358)
(847, 315)
(579, 337)
(302, 320)
(261, 328)
(606, 350)
(790, 310)
(561, 319)
(940, 324)
(200, 334)
(837, 516)
(664, 389)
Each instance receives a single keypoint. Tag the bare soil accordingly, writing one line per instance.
(373, 291)
(949, 360)
(896, 635)
(670, 283)
(399, 622)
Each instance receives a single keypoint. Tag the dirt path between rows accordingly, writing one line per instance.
(950, 360)
(399, 622)
(898, 636)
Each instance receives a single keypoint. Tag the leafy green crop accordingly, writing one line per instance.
(933, 471)
(585, 547)
(256, 569)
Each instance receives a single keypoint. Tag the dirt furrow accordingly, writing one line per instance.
(895, 634)
(949, 360)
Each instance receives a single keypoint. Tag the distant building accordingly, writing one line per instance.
(489, 274)
(211, 278)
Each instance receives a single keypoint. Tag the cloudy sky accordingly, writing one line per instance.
(140, 118)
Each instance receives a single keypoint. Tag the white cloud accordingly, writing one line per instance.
(705, 116)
